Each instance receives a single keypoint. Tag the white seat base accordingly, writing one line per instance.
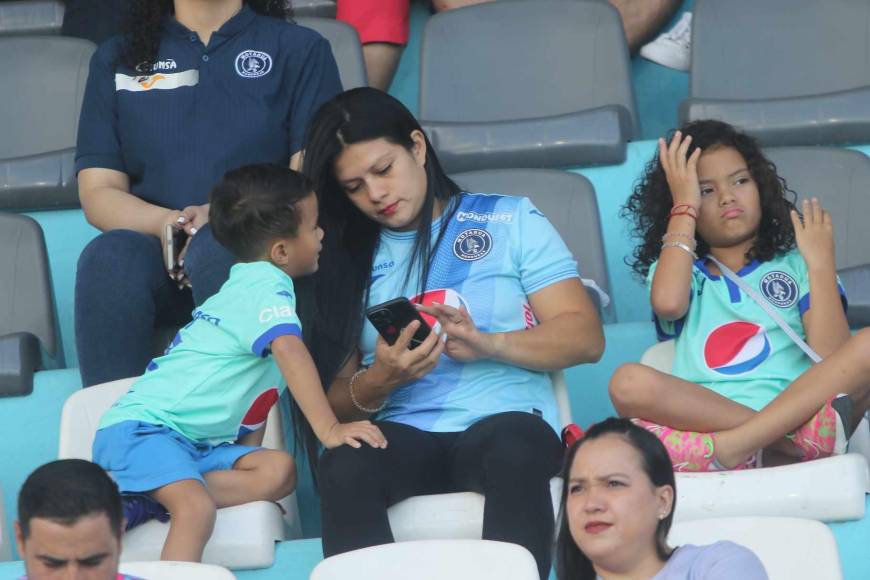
(244, 537)
(827, 490)
(176, 571)
(431, 560)
(446, 516)
(789, 548)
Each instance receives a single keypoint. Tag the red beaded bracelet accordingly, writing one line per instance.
(684, 209)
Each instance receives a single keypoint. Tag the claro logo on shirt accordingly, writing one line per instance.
(273, 312)
(158, 81)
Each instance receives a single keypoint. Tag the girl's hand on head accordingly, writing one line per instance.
(465, 342)
(681, 173)
(815, 234)
(355, 434)
(399, 364)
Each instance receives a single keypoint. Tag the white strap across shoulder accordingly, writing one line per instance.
(767, 308)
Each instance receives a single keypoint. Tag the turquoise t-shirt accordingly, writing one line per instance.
(217, 380)
(496, 251)
(729, 344)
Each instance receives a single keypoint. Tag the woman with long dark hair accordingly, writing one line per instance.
(618, 500)
(192, 89)
(472, 406)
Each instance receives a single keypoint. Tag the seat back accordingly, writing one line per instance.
(40, 116)
(319, 8)
(568, 200)
(820, 92)
(789, 548)
(25, 284)
(486, 100)
(346, 48)
(31, 17)
(431, 560)
(840, 178)
(5, 538)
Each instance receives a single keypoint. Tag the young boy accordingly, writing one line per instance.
(186, 434)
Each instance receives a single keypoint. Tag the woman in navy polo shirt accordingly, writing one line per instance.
(193, 90)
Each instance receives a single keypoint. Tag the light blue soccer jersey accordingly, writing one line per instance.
(729, 344)
(217, 379)
(496, 251)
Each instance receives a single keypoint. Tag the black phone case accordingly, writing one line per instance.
(390, 317)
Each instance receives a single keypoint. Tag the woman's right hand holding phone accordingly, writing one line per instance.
(399, 364)
(680, 171)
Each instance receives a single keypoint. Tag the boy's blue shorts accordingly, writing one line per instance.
(141, 456)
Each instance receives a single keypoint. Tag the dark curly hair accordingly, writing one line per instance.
(650, 203)
(145, 20)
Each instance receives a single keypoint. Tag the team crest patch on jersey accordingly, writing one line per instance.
(735, 348)
(252, 64)
(780, 289)
(472, 244)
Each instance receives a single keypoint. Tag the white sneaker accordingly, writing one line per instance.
(672, 48)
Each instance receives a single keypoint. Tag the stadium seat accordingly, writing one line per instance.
(789, 548)
(345, 47)
(789, 72)
(243, 536)
(40, 116)
(431, 560)
(176, 571)
(26, 309)
(788, 490)
(460, 515)
(319, 8)
(527, 84)
(5, 537)
(31, 17)
(568, 200)
(840, 178)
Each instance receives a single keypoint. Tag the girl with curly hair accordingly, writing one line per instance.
(710, 201)
(193, 89)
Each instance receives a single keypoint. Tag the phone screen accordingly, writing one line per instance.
(391, 317)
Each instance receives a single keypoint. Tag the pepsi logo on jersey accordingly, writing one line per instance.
(735, 348)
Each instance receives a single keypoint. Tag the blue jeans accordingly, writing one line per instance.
(123, 294)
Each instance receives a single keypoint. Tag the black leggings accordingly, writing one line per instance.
(509, 458)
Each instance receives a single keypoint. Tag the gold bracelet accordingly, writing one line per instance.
(682, 246)
(353, 398)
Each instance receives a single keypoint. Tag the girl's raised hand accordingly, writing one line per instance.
(681, 173)
(815, 234)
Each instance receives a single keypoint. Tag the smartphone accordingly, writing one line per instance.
(390, 317)
(173, 239)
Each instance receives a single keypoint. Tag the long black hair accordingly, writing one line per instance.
(331, 302)
(649, 205)
(146, 20)
(571, 562)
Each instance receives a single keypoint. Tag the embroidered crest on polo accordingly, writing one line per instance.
(780, 289)
(252, 64)
(472, 244)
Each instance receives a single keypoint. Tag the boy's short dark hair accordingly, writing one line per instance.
(67, 490)
(254, 204)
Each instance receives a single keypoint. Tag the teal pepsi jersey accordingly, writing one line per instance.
(729, 344)
(217, 379)
(496, 251)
